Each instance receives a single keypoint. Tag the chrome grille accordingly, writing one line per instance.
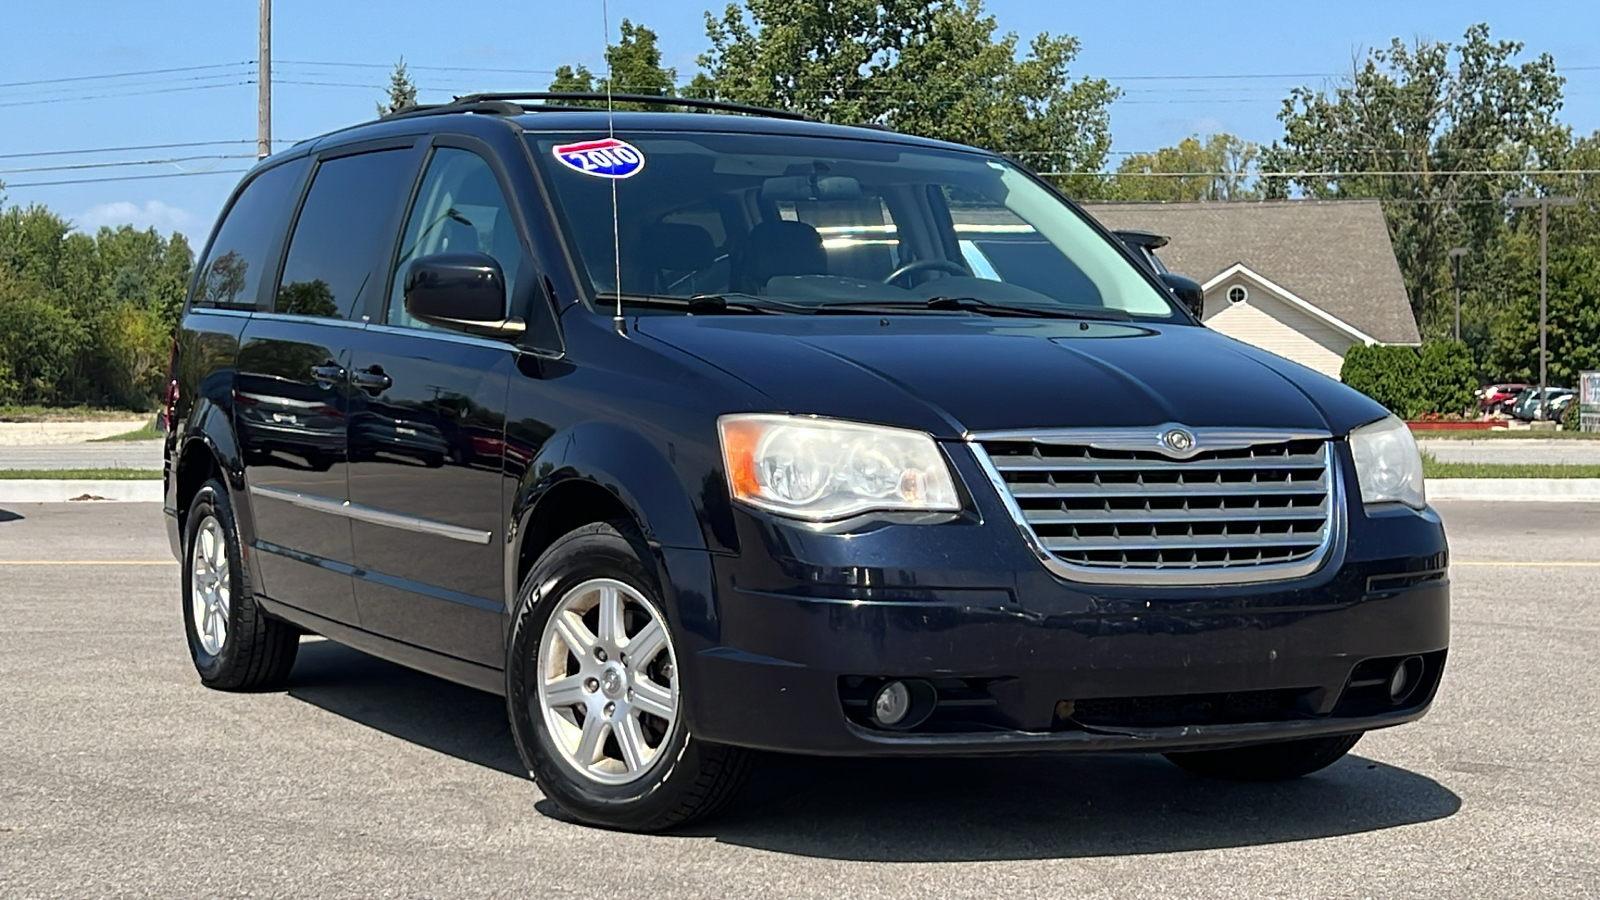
(1121, 506)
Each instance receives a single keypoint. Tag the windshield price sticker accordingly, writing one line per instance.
(605, 158)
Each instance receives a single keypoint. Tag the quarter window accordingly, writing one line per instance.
(230, 277)
(343, 232)
(459, 209)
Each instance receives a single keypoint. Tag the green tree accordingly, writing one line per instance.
(42, 342)
(86, 318)
(1217, 169)
(1413, 126)
(936, 69)
(635, 64)
(402, 91)
(1573, 315)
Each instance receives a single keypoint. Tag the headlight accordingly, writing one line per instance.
(1388, 463)
(820, 469)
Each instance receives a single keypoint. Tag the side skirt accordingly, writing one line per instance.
(484, 678)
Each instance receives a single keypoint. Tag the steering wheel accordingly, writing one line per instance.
(925, 265)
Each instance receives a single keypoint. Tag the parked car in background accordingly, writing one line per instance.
(1531, 406)
(1557, 410)
(1498, 398)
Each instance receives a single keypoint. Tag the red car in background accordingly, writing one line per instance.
(1498, 398)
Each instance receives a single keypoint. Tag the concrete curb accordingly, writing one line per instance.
(54, 491)
(1506, 490)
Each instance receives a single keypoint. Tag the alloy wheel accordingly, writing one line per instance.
(607, 681)
(209, 585)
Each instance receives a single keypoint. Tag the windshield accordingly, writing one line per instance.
(805, 222)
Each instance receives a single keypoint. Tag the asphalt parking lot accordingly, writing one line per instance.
(120, 775)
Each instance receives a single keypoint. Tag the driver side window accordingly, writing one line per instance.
(460, 208)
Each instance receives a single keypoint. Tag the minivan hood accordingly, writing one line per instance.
(954, 374)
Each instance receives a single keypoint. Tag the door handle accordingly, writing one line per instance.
(372, 379)
(329, 374)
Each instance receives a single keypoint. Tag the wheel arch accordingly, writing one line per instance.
(592, 473)
(209, 448)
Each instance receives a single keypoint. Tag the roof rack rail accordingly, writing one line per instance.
(457, 106)
(510, 104)
(645, 99)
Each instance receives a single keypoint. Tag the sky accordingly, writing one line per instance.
(1185, 68)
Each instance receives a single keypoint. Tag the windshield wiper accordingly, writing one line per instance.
(976, 305)
(705, 304)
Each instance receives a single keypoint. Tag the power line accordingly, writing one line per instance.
(70, 99)
(412, 68)
(338, 84)
(27, 184)
(123, 86)
(171, 160)
(124, 74)
(128, 149)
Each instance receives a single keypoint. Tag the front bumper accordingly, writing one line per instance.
(782, 638)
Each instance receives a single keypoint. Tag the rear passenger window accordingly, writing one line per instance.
(343, 234)
(230, 277)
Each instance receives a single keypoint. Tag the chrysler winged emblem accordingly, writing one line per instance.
(1178, 441)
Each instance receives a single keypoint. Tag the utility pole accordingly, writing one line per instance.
(264, 84)
(1544, 204)
(1455, 264)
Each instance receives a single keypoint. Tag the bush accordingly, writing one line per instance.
(1388, 375)
(1436, 381)
(1448, 376)
(41, 341)
(133, 350)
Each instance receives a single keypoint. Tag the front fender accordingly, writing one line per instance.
(625, 464)
(639, 475)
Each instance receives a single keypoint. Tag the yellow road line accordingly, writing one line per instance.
(88, 562)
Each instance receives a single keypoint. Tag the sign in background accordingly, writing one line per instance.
(1589, 400)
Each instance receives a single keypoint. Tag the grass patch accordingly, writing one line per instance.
(12, 413)
(1433, 468)
(80, 474)
(148, 432)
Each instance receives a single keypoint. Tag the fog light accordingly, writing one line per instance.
(1406, 677)
(892, 704)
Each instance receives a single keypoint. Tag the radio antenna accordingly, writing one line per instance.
(611, 132)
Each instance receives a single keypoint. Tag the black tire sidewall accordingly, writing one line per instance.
(597, 551)
(212, 500)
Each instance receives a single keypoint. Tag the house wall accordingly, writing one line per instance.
(1274, 325)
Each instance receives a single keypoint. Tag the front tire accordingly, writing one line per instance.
(1283, 761)
(234, 645)
(593, 692)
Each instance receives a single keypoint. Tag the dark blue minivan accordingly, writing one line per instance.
(701, 433)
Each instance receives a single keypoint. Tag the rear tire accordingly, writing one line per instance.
(234, 645)
(1282, 761)
(647, 773)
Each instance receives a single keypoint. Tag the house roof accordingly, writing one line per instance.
(1333, 254)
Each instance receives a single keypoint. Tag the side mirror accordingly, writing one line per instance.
(1188, 292)
(460, 291)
